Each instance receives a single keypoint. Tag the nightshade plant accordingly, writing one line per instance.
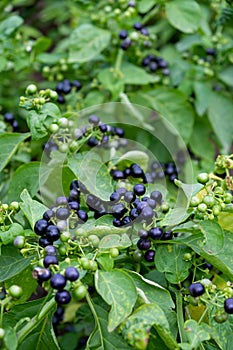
(116, 175)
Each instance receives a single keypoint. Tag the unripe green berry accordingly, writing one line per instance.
(2, 333)
(65, 236)
(14, 205)
(53, 127)
(15, 291)
(80, 292)
(114, 252)
(203, 178)
(94, 240)
(195, 201)
(31, 89)
(202, 207)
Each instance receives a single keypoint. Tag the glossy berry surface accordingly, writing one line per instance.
(58, 281)
(62, 213)
(143, 244)
(156, 233)
(52, 233)
(50, 260)
(228, 305)
(63, 297)
(40, 227)
(71, 273)
(196, 289)
(43, 274)
(149, 255)
(139, 189)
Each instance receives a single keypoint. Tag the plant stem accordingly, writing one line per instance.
(180, 316)
(119, 59)
(35, 320)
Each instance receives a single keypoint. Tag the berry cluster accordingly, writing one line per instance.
(148, 238)
(36, 99)
(127, 40)
(212, 200)
(10, 119)
(155, 64)
(67, 138)
(64, 88)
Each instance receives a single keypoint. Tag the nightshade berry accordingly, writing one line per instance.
(58, 281)
(125, 221)
(42, 274)
(62, 200)
(228, 305)
(133, 213)
(77, 84)
(71, 273)
(48, 214)
(123, 34)
(43, 242)
(9, 117)
(103, 127)
(139, 189)
(149, 255)
(126, 44)
(136, 170)
(92, 141)
(167, 235)
(62, 213)
(50, 260)
(144, 31)
(50, 250)
(118, 174)
(73, 205)
(147, 213)
(115, 196)
(196, 289)
(157, 196)
(40, 227)
(156, 233)
(63, 297)
(143, 233)
(143, 244)
(52, 233)
(94, 119)
(129, 196)
(137, 26)
(116, 222)
(82, 215)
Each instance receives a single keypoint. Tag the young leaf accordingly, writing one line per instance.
(32, 209)
(11, 263)
(9, 25)
(86, 42)
(197, 333)
(100, 338)
(114, 241)
(170, 259)
(184, 15)
(25, 177)
(139, 157)
(9, 144)
(118, 290)
(8, 235)
(10, 338)
(134, 75)
(111, 81)
(153, 291)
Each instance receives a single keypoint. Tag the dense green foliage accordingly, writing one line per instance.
(116, 174)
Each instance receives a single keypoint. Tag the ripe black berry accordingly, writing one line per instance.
(139, 189)
(50, 250)
(77, 84)
(92, 141)
(62, 213)
(73, 205)
(15, 125)
(123, 34)
(143, 233)
(149, 255)
(74, 195)
(52, 233)
(144, 31)
(58, 281)
(228, 305)
(115, 196)
(137, 26)
(48, 214)
(147, 213)
(116, 222)
(50, 260)
(94, 119)
(118, 210)
(82, 215)
(40, 227)
(119, 132)
(126, 44)
(196, 289)
(133, 213)
(167, 235)
(156, 233)
(136, 170)
(125, 221)
(9, 117)
(157, 196)
(44, 242)
(74, 185)
(153, 66)
(62, 200)
(118, 174)
(63, 297)
(103, 127)
(129, 196)
(61, 99)
(71, 273)
(143, 244)
(41, 274)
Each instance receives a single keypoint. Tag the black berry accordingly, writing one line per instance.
(50, 260)
(71, 273)
(40, 227)
(58, 281)
(228, 305)
(156, 233)
(196, 289)
(63, 297)
(52, 233)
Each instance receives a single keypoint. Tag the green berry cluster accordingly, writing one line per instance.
(35, 99)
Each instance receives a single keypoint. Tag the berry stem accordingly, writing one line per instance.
(118, 62)
(23, 333)
(180, 316)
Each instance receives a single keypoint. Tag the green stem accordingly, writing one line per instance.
(151, 14)
(119, 59)
(23, 333)
(95, 315)
(180, 317)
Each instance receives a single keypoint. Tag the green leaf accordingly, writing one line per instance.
(155, 293)
(145, 5)
(225, 75)
(86, 42)
(100, 338)
(8, 236)
(38, 121)
(196, 333)
(111, 81)
(222, 332)
(130, 157)
(100, 181)
(184, 15)
(151, 315)
(9, 144)
(114, 241)
(203, 93)
(10, 338)
(32, 209)
(175, 216)
(41, 44)
(42, 336)
(9, 25)
(11, 262)
(170, 259)
(3, 63)
(106, 262)
(202, 131)
(220, 116)
(26, 176)
(134, 75)
(178, 111)
(118, 290)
